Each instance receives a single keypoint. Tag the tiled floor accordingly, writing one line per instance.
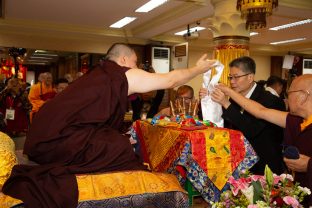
(199, 203)
(19, 142)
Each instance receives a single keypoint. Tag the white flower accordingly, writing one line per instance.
(249, 193)
(288, 176)
(214, 205)
(305, 190)
(262, 204)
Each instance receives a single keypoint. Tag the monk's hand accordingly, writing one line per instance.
(203, 92)
(298, 165)
(205, 64)
(218, 96)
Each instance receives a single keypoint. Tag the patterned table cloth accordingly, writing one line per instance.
(209, 155)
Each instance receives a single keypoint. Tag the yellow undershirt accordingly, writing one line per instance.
(306, 123)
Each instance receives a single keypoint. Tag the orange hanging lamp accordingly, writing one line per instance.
(256, 11)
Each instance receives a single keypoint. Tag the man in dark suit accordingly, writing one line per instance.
(266, 138)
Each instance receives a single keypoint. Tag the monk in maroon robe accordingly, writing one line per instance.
(77, 131)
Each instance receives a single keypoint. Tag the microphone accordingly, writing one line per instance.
(291, 152)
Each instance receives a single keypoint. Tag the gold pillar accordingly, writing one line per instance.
(228, 48)
(231, 39)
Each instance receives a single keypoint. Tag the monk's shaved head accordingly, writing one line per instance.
(117, 50)
(303, 82)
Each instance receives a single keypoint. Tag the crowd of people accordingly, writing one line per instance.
(84, 122)
(19, 101)
(297, 123)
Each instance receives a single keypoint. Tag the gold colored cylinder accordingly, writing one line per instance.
(228, 48)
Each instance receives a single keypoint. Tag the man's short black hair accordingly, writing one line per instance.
(245, 63)
(274, 80)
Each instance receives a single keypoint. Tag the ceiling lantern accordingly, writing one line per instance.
(256, 11)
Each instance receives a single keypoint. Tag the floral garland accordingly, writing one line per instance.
(270, 190)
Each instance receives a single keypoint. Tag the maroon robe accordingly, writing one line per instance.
(303, 141)
(75, 132)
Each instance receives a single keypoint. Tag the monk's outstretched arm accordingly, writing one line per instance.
(271, 115)
(140, 81)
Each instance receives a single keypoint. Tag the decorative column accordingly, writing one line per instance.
(231, 38)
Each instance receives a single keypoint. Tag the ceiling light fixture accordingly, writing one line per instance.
(253, 33)
(44, 54)
(38, 61)
(287, 41)
(38, 57)
(291, 24)
(40, 51)
(256, 11)
(124, 21)
(191, 30)
(152, 4)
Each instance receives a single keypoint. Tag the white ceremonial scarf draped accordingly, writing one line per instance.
(211, 110)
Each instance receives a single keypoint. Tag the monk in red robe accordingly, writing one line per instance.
(41, 92)
(77, 131)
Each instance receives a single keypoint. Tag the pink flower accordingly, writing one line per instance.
(239, 184)
(259, 178)
(252, 206)
(291, 201)
(276, 179)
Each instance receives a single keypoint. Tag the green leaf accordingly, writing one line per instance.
(268, 176)
(212, 149)
(258, 191)
(226, 149)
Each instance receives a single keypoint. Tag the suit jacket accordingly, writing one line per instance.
(266, 138)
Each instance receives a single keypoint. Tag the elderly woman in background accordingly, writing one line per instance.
(14, 108)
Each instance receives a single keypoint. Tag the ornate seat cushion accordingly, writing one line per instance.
(7, 157)
(124, 189)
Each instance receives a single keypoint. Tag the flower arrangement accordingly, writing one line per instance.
(255, 191)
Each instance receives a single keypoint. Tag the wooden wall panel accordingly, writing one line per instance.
(276, 65)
